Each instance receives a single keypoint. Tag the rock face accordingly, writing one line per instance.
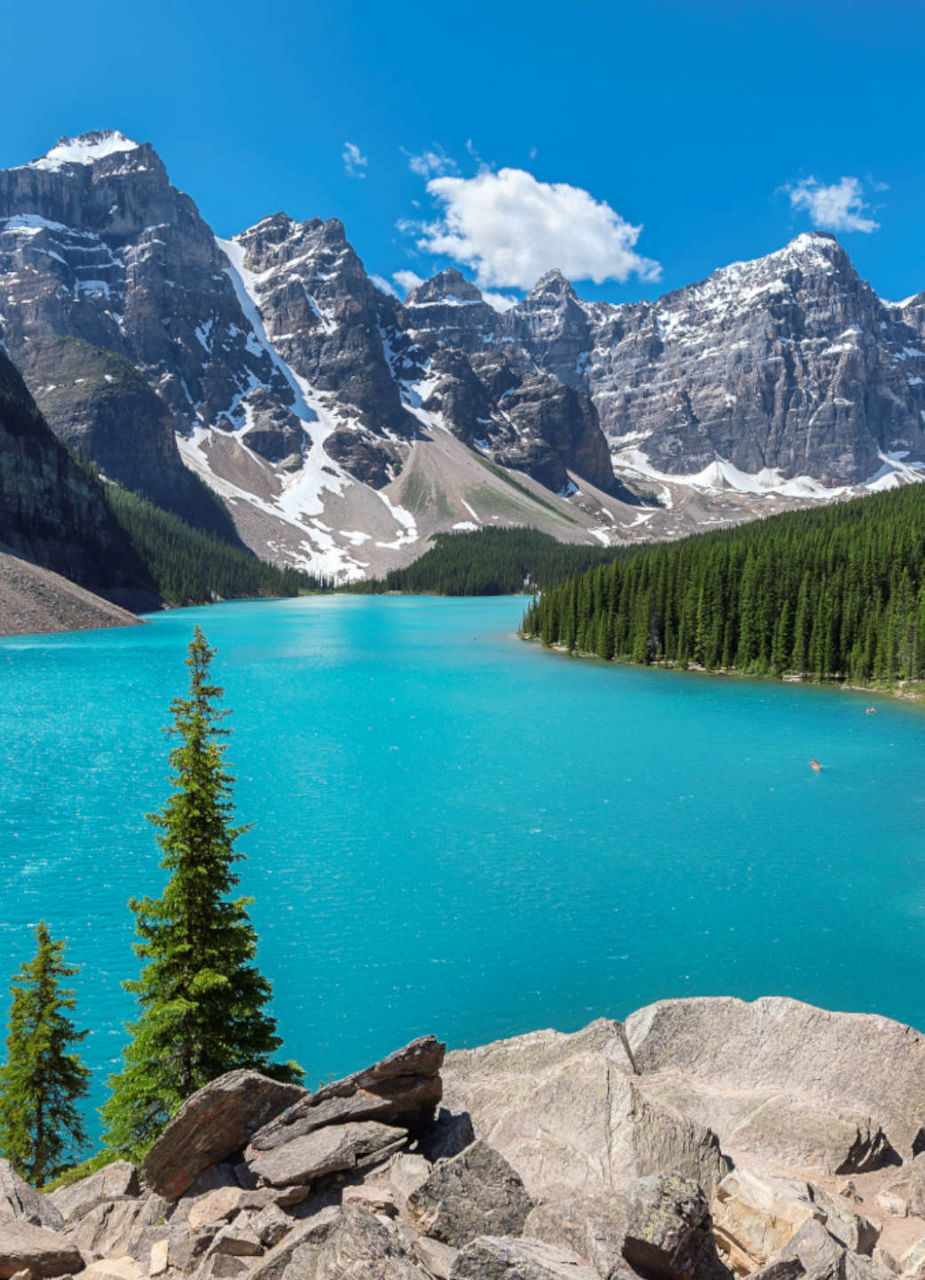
(574, 1160)
(52, 512)
(214, 1123)
(342, 426)
(838, 1092)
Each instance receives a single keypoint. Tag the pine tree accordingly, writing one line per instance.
(202, 999)
(40, 1126)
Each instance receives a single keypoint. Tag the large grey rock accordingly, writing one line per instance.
(815, 1248)
(781, 1079)
(215, 1122)
(113, 1182)
(854, 1230)
(569, 1115)
(324, 1151)
(19, 1200)
(109, 1226)
(594, 1228)
(361, 1248)
(476, 1193)
(402, 1089)
(668, 1234)
(42, 1253)
(295, 1254)
(504, 1258)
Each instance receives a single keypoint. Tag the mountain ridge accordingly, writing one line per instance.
(342, 426)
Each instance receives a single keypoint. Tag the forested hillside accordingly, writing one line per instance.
(190, 566)
(491, 562)
(835, 593)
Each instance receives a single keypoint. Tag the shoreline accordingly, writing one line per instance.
(897, 692)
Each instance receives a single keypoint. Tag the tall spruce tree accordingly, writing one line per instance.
(202, 999)
(40, 1127)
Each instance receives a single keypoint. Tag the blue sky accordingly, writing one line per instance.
(509, 137)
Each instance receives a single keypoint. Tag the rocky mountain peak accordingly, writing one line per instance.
(85, 149)
(447, 286)
(553, 286)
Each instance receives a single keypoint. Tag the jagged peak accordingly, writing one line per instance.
(553, 282)
(446, 286)
(84, 149)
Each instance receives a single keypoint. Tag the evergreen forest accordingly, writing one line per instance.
(490, 562)
(190, 566)
(836, 593)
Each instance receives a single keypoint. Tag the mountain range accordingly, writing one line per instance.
(341, 426)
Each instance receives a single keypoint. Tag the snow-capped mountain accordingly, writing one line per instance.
(342, 427)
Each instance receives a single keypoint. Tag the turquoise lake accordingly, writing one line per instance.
(456, 832)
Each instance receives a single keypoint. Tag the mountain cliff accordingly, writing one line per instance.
(341, 427)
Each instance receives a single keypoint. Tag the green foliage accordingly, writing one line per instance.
(202, 999)
(491, 562)
(190, 566)
(75, 1172)
(832, 593)
(42, 1079)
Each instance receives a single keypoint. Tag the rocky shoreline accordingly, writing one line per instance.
(702, 1138)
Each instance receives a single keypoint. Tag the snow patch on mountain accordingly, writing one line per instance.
(85, 149)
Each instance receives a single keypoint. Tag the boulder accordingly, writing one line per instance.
(43, 1253)
(755, 1216)
(298, 1248)
(815, 1249)
(437, 1258)
(408, 1171)
(216, 1206)
(402, 1090)
(213, 1124)
(113, 1182)
(108, 1228)
(844, 1075)
(857, 1267)
(569, 1115)
(334, 1149)
(361, 1248)
(19, 1200)
(236, 1238)
(668, 1234)
(157, 1259)
(504, 1258)
(851, 1229)
(122, 1268)
(377, 1197)
(271, 1225)
(592, 1227)
(476, 1193)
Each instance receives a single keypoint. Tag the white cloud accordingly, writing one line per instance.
(381, 283)
(431, 163)
(838, 207)
(354, 160)
(500, 301)
(407, 280)
(511, 228)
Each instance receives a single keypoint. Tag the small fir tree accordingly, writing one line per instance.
(40, 1127)
(202, 999)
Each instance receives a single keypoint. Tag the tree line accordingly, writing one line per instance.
(836, 593)
(201, 999)
(490, 562)
(191, 566)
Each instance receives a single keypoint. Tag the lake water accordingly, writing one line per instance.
(462, 834)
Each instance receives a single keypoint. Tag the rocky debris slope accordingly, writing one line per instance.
(701, 1140)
